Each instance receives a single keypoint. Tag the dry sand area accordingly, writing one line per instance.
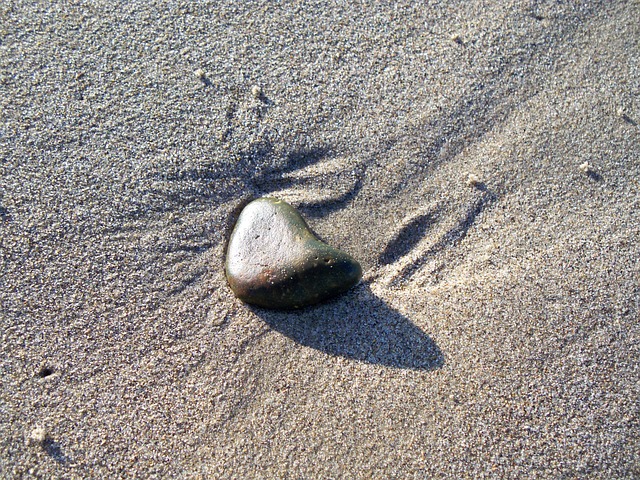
(480, 159)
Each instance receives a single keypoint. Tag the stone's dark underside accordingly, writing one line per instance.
(275, 261)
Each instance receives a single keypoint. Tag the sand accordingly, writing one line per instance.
(442, 144)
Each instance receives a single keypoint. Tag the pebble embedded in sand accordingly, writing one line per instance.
(586, 168)
(38, 436)
(473, 180)
(275, 261)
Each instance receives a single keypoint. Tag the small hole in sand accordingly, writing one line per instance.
(45, 372)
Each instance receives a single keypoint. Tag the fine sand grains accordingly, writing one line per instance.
(480, 162)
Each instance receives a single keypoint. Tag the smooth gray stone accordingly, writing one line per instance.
(275, 261)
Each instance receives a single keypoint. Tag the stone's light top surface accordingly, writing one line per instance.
(275, 261)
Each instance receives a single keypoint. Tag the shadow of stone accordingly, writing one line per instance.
(358, 326)
(54, 450)
(4, 214)
(629, 120)
(595, 176)
(206, 81)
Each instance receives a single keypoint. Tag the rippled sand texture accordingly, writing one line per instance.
(480, 159)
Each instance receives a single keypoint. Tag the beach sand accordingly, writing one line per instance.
(480, 159)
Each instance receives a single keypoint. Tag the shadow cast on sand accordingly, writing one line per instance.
(358, 326)
(54, 450)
